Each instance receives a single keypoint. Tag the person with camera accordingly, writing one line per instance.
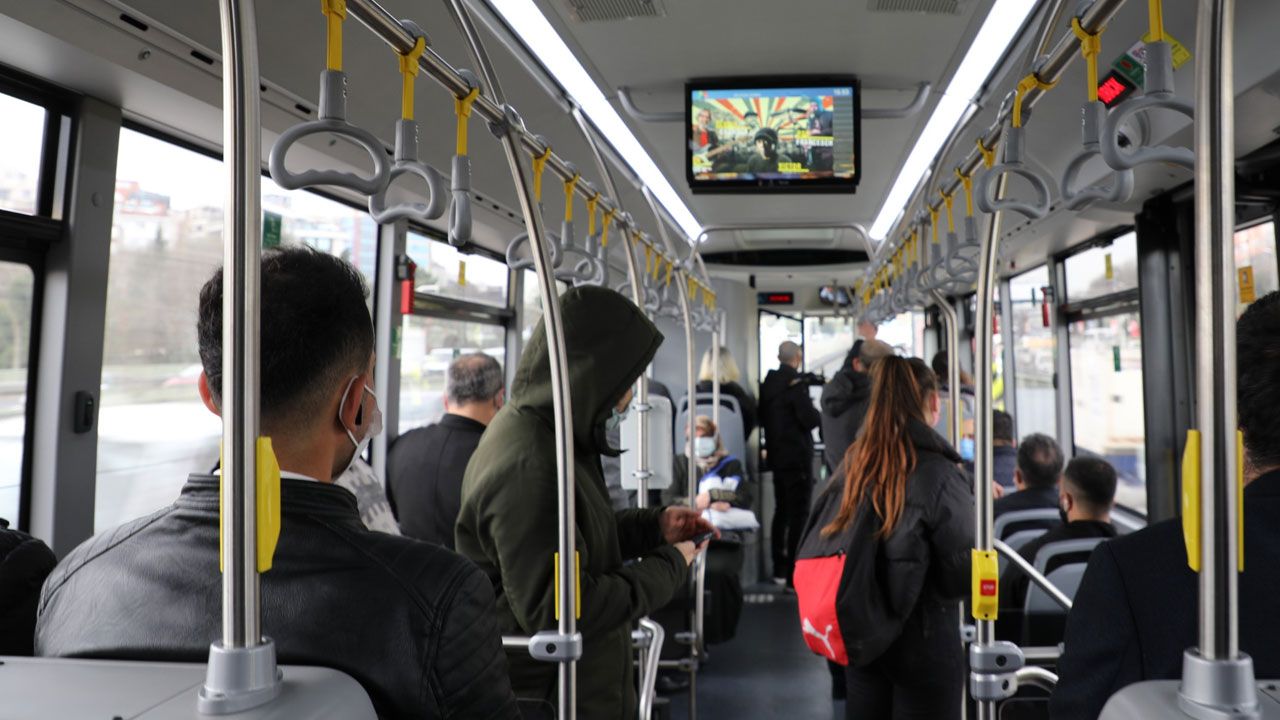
(788, 417)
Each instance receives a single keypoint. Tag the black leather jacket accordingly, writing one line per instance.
(411, 621)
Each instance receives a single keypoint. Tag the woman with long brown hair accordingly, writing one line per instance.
(898, 519)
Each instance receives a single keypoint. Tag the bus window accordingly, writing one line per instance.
(531, 303)
(774, 330)
(826, 342)
(326, 225)
(429, 344)
(1255, 248)
(1033, 354)
(1103, 270)
(22, 129)
(17, 284)
(446, 272)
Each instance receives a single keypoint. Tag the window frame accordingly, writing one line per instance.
(448, 308)
(34, 261)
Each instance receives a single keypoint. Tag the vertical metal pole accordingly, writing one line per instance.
(1215, 329)
(984, 530)
(691, 381)
(715, 375)
(241, 295)
(554, 324)
(643, 472)
(951, 328)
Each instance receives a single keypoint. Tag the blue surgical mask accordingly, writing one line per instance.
(966, 449)
(615, 418)
(704, 447)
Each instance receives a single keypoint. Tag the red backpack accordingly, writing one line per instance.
(851, 608)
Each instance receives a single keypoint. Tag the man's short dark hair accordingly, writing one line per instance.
(939, 364)
(1258, 380)
(475, 377)
(1001, 425)
(1095, 479)
(315, 331)
(1040, 460)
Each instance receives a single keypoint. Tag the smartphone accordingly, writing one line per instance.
(699, 539)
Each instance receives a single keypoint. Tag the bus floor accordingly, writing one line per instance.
(765, 671)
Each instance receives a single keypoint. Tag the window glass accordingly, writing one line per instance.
(166, 241)
(429, 345)
(444, 271)
(22, 130)
(531, 303)
(1255, 249)
(1087, 272)
(997, 351)
(16, 293)
(774, 330)
(827, 341)
(1106, 399)
(1033, 355)
(905, 332)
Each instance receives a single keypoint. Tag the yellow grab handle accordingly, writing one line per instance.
(462, 108)
(1090, 47)
(539, 164)
(591, 214)
(604, 229)
(988, 154)
(1026, 85)
(569, 186)
(335, 11)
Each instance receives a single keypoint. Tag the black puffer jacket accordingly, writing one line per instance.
(411, 621)
(845, 400)
(788, 417)
(925, 562)
(24, 564)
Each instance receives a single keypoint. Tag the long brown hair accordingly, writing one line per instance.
(880, 459)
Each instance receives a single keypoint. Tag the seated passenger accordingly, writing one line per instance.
(722, 488)
(903, 509)
(730, 377)
(1135, 613)
(24, 564)
(425, 465)
(509, 519)
(411, 621)
(1087, 494)
(1036, 477)
(1003, 453)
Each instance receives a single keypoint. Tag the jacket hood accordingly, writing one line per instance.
(926, 439)
(609, 343)
(846, 389)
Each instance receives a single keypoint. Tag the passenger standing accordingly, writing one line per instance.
(1004, 456)
(730, 377)
(1035, 477)
(902, 489)
(1087, 494)
(789, 417)
(845, 399)
(1138, 588)
(968, 407)
(508, 524)
(425, 465)
(411, 621)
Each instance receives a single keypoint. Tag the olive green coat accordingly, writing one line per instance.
(509, 520)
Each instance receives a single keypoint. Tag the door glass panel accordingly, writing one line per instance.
(17, 284)
(429, 346)
(1087, 272)
(444, 271)
(1256, 249)
(775, 330)
(1106, 399)
(22, 133)
(531, 303)
(1033, 355)
(827, 341)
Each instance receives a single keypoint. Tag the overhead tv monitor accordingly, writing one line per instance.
(793, 134)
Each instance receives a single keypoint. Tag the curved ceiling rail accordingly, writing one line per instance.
(385, 25)
(673, 116)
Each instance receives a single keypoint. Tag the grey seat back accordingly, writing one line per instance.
(661, 454)
(730, 422)
(1065, 577)
(1017, 540)
(1039, 517)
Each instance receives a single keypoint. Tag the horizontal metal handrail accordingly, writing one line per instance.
(1036, 576)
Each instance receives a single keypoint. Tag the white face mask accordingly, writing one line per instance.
(615, 418)
(373, 424)
(704, 447)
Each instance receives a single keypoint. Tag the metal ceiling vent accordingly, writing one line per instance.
(606, 10)
(931, 7)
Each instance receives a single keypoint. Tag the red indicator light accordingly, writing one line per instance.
(1111, 89)
(987, 588)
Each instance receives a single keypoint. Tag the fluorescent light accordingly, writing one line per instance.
(531, 25)
(990, 44)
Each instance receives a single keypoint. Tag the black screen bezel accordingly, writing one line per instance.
(831, 185)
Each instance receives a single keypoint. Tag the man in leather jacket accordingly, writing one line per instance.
(411, 621)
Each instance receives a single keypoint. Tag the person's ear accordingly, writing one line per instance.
(206, 394)
(935, 405)
(1018, 482)
(500, 399)
(351, 405)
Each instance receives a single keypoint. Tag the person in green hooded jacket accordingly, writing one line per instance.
(508, 524)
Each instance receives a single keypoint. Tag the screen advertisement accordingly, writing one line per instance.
(778, 136)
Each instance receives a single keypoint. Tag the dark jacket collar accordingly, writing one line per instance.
(296, 497)
(1266, 485)
(926, 439)
(460, 422)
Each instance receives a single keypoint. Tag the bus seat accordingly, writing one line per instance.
(1011, 522)
(1019, 539)
(1063, 563)
(661, 454)
(731, 425)
(38, 688)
